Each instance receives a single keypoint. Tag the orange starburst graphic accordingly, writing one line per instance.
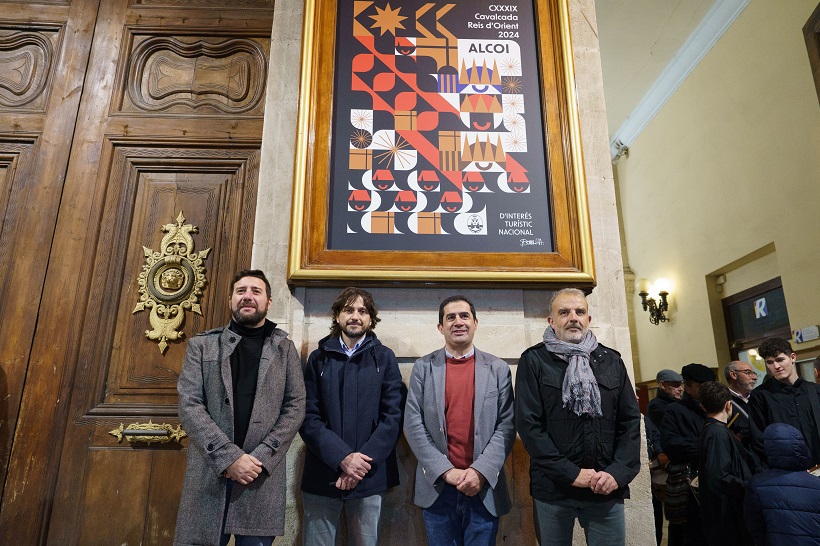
(388, 19)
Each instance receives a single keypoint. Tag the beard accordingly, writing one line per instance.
(249, 320)
(354, 334)
(572, 336)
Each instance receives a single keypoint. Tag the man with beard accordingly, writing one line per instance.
(741, 378)
(578, 417)
(241, 401)
(459, 424)
(680, 436)
(352, 423)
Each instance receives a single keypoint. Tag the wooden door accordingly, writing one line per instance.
(167, 141)
(43, 59)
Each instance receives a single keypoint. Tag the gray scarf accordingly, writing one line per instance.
(580, 392)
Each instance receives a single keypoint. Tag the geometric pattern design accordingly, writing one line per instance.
(440, 132)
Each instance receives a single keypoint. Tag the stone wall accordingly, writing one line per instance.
(510, 320)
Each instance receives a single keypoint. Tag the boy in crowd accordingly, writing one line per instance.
(725, 467)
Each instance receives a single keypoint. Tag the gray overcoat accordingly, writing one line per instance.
(206, 412)
(426, 429)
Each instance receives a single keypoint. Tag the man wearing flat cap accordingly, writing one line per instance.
(680, 437)
(670, 389)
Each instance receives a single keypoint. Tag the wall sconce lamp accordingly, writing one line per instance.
(654, 299)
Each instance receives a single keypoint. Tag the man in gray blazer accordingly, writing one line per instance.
(459, 423)
(241, 401)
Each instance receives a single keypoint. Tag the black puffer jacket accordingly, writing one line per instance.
(782, 504)
(561, 443)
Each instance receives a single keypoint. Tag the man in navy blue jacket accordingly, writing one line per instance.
(352, 423)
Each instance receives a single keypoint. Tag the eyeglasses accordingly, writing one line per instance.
(750, 373)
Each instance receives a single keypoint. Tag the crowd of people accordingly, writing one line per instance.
(244, 395)
(730, 460)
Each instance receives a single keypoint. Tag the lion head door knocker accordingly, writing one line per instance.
(171, 281)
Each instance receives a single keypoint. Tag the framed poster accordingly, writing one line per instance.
(438, 142)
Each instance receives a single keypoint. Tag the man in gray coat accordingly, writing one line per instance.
(459, 424)
(241, 401)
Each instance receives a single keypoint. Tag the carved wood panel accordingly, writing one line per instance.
(148, 188)
(27, 61)
(190, 74)
(170, 121)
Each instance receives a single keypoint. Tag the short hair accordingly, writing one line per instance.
(573, 291)
(258, 273)
(451, 299)
(773, 347)
(347, 297)
(817, 363)
(730, 367)
(713, 396)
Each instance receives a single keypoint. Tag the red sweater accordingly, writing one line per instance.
(459, 394)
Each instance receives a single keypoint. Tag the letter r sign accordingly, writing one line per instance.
(760, 308)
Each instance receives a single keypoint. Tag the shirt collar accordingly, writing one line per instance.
(348, 351)
(744, 398)
(465, 357)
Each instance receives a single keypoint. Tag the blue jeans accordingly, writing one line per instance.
(322, 514)
(458, 520)
(603, 522)
(239, 540)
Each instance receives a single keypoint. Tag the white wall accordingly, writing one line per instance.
(729, 166)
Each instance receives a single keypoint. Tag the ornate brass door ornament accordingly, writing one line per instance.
(149, 433)
(171, 281)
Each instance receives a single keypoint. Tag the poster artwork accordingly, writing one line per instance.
(438, 133)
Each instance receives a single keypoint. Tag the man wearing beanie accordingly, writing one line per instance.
(578, 418)
(680, 437)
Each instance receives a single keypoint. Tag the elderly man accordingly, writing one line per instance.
(241, 401)
(578, 417)
(680, 435)
(741, 379)
(459, 424)
(670, 389)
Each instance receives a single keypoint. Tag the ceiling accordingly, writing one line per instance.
(638, 39)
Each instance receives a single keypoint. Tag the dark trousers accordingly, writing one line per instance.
(657, 509)
(691, 532)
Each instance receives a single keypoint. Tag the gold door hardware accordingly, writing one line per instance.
(148, 433)
(171, 281)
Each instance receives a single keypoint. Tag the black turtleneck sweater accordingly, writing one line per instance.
(244, 373)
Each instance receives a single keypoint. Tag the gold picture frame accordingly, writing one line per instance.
(312, 260)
